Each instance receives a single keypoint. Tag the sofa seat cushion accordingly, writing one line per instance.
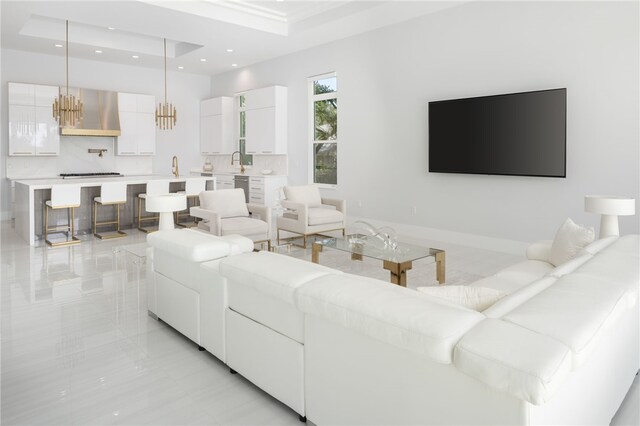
(512, 359)
(389, 313)
(322, 216)
(271, 273)
(575, 310)
(189, 244)
(244, 225)
(476, 298)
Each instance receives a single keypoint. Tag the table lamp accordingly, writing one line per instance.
(610, 207)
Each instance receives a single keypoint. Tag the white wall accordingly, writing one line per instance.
(184, 90)
(387, 77)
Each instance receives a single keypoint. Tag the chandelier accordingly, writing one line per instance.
(67, 110)
(166, 114)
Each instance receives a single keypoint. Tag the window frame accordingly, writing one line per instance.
(312, 99)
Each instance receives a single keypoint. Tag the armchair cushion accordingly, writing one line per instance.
(225, 202)
(304, 194)
(243, 226)
(321, 216)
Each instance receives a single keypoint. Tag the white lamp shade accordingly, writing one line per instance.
(610, 205)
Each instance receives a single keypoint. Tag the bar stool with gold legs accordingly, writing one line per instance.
(192, 189)
(154, 187)
(111, 194)
(62, 197)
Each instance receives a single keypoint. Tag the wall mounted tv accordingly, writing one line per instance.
(518, 134)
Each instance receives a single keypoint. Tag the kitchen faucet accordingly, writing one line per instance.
(174, 166)
(239, 160)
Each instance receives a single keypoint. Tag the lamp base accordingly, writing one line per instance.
(609, 226)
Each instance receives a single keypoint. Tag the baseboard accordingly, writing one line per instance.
(464, 239)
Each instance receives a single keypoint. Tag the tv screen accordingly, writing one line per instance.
(521, 134)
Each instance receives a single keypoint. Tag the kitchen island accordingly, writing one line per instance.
(30, 195)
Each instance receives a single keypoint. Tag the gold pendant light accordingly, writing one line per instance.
(67, 109)
(166, 115)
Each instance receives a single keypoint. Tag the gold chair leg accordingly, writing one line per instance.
(278, 235)
(46, 223)
(95, 217)
(73, 222)
(304, 241)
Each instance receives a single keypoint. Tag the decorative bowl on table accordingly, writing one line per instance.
(266, 171)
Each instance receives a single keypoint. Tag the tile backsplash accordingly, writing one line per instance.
(277, 163)
(74, 158)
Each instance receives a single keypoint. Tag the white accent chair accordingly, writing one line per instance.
(308, 213)
(62, 197)
(154, 187)
(112, 194)
(192, 189)
(224, 212)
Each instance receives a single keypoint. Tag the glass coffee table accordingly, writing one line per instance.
(397, 261)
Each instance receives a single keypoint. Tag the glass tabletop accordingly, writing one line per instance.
(360, 245)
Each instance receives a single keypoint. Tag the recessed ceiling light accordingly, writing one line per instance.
(110, 28)
(98, 51)
(234, 65)
(135, 56)
(229, 50)
(58, 45)
(180, 67)
(203, 60)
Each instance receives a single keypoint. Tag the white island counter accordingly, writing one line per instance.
(28, 209)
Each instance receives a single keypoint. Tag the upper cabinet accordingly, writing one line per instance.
(266, 120)
(137, 124)
(216, 126)
(32, 128)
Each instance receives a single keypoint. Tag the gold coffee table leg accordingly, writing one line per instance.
(316, 249)
(440, 263)
(398, 271)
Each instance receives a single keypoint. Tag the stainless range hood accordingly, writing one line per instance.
(100, 113)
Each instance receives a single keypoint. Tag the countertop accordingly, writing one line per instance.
(249, 173)
(93, 181)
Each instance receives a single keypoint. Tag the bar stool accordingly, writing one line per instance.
(154, 187)
(111, 194)
(192, 189)
(62, 197)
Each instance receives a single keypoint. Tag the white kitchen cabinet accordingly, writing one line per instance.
(137, 124)
(32, 128)
(264, 189)
(266, 121)
(47, 141)
(224, 182)
(216, 126)
(22, 130)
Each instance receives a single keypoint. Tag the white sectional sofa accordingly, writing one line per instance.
(184, 288)
(561, 348)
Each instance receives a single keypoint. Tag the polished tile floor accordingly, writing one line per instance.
(77, 345)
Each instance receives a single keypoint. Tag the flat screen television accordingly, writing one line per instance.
(518, 134)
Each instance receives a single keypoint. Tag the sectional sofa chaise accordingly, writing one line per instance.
(562, 347)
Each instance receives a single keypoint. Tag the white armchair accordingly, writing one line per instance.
(224, 212)
(307, 213)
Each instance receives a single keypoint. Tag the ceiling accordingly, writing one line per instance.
(199, 33)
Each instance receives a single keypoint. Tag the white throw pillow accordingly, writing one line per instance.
(225, 202)
(305, 194)
(569, 240)
(476, 298)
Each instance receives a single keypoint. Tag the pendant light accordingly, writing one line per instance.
(67, 110)
(166, 115)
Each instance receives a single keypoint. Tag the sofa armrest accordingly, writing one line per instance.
(340, 205)
(264, 212)
(301, 209)
(209, 215)
(539, 250)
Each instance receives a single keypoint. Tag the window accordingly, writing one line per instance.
(247, 160)
(323, 113)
